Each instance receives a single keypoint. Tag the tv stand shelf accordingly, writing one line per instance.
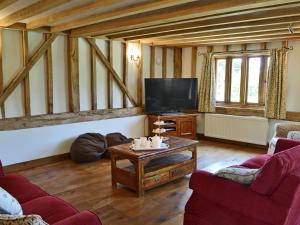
(179, 125)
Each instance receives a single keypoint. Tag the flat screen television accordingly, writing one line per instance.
(170, 95)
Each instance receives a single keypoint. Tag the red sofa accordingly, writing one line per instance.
(217, 201)
(36, 201)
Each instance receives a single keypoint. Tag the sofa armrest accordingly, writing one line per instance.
(284, 144)
(1, 169)
(85, 217)
(282, 129)
(234, 196)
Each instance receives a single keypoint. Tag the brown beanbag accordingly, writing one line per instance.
(88, 147)
(113, 139)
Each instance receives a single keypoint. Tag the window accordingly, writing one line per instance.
(241, 80)
(221, 72)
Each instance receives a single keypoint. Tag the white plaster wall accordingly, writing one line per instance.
(84, 75)
(170, 62)
(28, 144)
(101, 77)
(186, 62)
(12, 64)
(118, 66)
(60, 75)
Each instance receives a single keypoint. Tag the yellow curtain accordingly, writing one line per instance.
(207, 101)
(276, 85)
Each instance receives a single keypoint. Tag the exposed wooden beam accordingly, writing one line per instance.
(193, 61)
(111, 69)
(152, 62)
(286, 14)
(118, 13)
(93, 78)
(164, 62)
(125, 72)
(73, 74)
(6, 3)
(173, 14)
(177, 62)
(66, 118)
(26, 84)
(1, 75)
(25, 69)
(228, 36)
(49, 77)
(77, 10)
(31, 10)
(109, 84)
(224, 31)
(140, 77)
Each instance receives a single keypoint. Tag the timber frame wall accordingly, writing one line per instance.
(74, 114)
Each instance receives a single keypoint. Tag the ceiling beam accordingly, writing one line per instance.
(265, 38)
(287, 10)
(48, 20)
(5, 3)
(31, 10)
(173, 14)
(122, 12)
(230, 37)
(264, 28)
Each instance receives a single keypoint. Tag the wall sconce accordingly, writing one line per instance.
(134, 53)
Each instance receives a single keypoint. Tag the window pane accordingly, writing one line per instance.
(253, 79)
(220, 79)
(236, 80)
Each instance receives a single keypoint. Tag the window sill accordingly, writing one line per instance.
(249, 110)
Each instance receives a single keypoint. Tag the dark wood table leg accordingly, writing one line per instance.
(113, 171)
(139, 169)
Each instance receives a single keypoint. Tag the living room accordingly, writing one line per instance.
(77, 83)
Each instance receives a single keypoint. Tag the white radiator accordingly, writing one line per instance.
(237, 128)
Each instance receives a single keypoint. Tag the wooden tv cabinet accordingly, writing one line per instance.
(178, 125)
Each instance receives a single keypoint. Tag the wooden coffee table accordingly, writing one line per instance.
(150, 169)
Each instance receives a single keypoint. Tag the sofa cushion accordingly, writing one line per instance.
(275, 170)
(256, 162)
(16, 184)
(294, 135)
(239, 175)
(50, 208)
(21, 220)
(8, 204)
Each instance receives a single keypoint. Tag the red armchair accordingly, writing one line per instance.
(34, 200)
(217, 201)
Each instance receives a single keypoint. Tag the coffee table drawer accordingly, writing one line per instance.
(181, 171)
(156, 180)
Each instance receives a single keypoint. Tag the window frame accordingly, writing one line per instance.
(244, 80)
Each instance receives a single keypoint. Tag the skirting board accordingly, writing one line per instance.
(203, 137)
(35, 163)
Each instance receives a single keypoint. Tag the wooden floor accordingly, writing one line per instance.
(88, 186)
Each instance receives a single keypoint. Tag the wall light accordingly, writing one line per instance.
(133, 54)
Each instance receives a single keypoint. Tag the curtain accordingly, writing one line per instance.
(276, 85)
(207, 101)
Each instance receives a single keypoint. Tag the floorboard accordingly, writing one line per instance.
(88, 186)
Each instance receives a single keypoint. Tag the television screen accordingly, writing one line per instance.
(167, 95)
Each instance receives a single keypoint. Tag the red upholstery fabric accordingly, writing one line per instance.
(284, 144)
(212, 213)
(217, 201)
(19, 187)
(85, 217)
(256, 162)
(36, 201)
(51, 209)
(275, 170)
(221, 191)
